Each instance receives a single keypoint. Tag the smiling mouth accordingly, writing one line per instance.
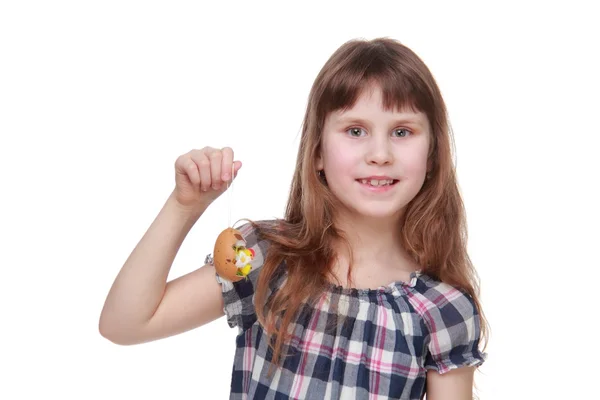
(377, 182)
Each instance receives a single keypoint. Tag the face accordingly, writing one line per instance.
(375, 161)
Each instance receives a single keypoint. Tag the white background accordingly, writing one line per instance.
(97, 100)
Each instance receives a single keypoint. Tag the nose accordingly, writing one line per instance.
(380, 150)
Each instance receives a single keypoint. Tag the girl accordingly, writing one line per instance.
(364, 289)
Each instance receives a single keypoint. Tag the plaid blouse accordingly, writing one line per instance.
(390, 337)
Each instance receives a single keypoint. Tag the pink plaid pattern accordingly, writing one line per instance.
(378, 345)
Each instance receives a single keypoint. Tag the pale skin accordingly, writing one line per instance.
(142, 306)
(366, 141)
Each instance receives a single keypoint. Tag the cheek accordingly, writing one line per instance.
(414, 161)
(416, 164)
(338, 159)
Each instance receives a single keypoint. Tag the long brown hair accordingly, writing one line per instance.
(433, 225)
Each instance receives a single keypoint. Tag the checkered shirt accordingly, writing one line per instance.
(387, 341)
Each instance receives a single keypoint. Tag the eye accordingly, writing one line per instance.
(355, 132)
(401, 132)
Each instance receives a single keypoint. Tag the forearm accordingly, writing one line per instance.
(139, 287)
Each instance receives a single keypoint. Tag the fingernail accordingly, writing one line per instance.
(216, 187)
(225, 177)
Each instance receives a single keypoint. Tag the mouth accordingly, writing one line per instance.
(377, 182)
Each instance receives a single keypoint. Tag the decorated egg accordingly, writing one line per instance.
(231, 258)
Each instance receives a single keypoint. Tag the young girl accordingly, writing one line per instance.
(364, 289)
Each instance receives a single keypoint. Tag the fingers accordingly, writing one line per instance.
(202, 163)
(216, 158)
(226, 164)
(204, 168)
(236, 167)
(192, 172)
(187, 165)
(211, 168)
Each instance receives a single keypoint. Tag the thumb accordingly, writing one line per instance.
(236, 166)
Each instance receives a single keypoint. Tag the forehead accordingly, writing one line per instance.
(370, 105)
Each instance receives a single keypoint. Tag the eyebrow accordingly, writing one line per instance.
(354, 120)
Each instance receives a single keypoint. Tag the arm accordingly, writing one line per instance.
(141, 306)
(456, 384)
(453, 352)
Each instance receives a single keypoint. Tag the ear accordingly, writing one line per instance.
(319, 162)
(429, 165)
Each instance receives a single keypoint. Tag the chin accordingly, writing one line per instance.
(377, 212)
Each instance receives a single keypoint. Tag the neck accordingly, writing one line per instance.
(373, 240)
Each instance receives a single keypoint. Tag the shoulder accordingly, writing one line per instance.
(441, 304)
(450, 315)
(253, 232)
(238, 296)
(253, 229)
(259, 236)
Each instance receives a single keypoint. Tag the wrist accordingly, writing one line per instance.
(186, 212)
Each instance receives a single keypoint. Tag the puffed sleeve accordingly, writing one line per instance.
(238, 297)
(453, 339)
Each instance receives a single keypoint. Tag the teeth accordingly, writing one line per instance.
(375, 182)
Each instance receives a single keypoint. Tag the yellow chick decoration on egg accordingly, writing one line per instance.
(243, 257)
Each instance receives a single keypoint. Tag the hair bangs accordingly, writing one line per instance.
(402, 87)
